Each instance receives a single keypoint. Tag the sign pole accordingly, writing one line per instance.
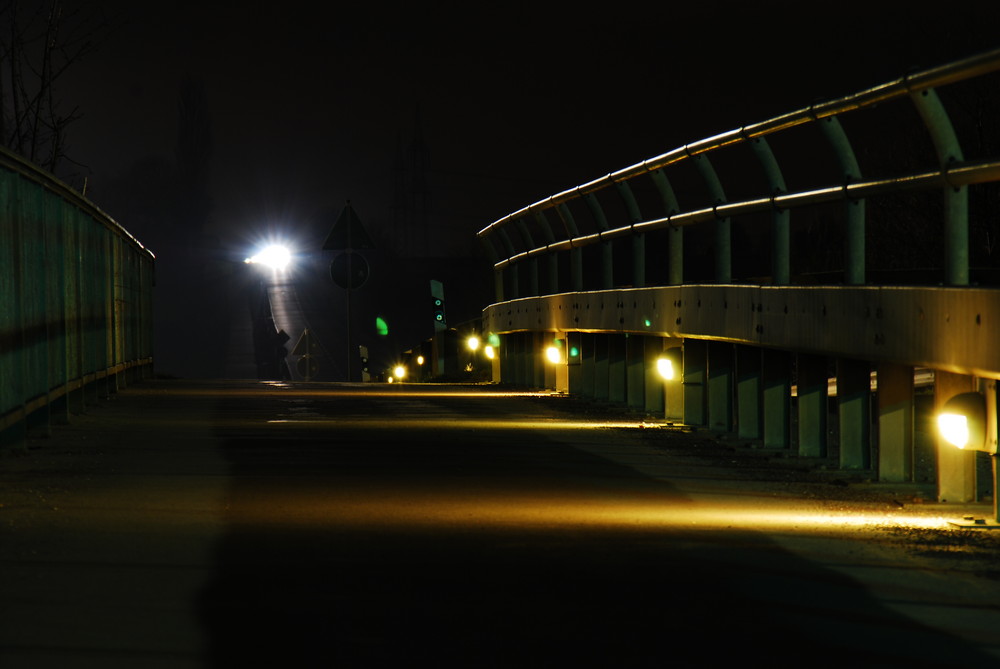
(347, 234)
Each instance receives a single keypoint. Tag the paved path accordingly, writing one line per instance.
(233, 524)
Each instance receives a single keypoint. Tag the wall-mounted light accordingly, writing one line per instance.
(669, 364)
(962, 421)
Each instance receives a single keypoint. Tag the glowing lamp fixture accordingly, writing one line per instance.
(473, 343)
(962, 421)
(399, 372)
(553, 355)
(420, 359)
(490, 352)
(665, 368)
(274, 256)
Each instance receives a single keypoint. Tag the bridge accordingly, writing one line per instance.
(779, 265)
(811, 288)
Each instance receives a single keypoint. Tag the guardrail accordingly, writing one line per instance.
(833, 165)
(76, 290)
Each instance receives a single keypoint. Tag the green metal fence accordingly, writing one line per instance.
(75, 301)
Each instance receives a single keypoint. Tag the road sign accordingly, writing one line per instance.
(349, 270)
(308, 367)
(302, 345)
(348, 233)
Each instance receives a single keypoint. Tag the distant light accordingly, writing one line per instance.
(399, 372)
(648, 323)
(553, 354)
(381, 327)
(490, 352)
(472, 342)
(665, 368)
(420, 359)
(275, 256)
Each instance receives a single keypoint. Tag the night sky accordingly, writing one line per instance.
(515, 101)
(310, 104)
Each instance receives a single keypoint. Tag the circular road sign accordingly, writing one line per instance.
(349, 270)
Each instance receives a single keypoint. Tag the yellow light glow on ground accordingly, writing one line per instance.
(410, 508)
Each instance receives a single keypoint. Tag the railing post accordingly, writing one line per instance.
(854, 210)
(675, 234)
(607, 248)
(638, 239)
(575, 254)
(722, 241)
(780, 253)
(511, 287)
(956, 199)
(552, 259)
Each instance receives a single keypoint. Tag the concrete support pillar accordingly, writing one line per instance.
(695, 382)
(548, 369)
(525, 362)
(601, 366)
(574, 372)
(813, 391)
(748, 392)
(777, 382)
(673, 390)
(720, 386)
(588, 366)
(635, 371)
(653, 384)
(956, 468)
(854, 413)
(508, 356)
(537, 362)
(895, 422)
(617, 391)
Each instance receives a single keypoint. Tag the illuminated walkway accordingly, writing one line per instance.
(229, 524)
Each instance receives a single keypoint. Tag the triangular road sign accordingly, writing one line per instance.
(302, 346)
(348, 233)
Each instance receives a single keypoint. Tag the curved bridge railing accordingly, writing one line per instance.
(826, 171)
(76, 290)
(836, 248)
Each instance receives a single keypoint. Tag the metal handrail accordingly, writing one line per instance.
(955, 174)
